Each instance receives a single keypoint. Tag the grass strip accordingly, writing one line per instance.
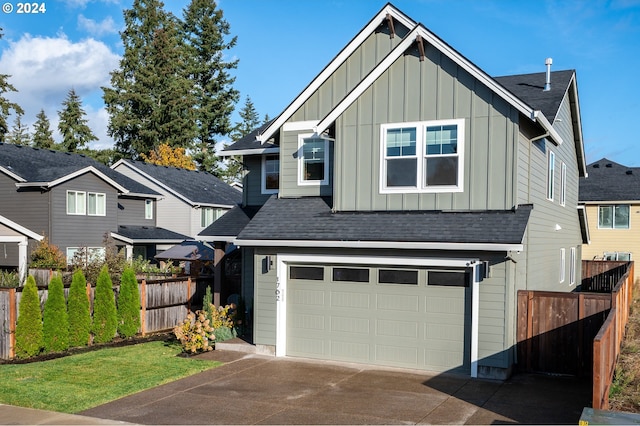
(79, 382)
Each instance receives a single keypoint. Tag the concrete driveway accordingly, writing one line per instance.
(254, 389)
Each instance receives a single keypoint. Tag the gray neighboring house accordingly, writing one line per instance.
(403, 198)
(75, 201)
(12, 233)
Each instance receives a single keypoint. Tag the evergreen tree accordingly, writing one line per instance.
(128, 305)
(29, 334)
(73, 126)
(105, 316)
(56, 318)
(79, 311)
(250, 121)
(6, 106)
(151, 99)
(206, 36)
(19, 132)
(42, 135)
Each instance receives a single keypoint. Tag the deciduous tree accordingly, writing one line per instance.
(164, 155)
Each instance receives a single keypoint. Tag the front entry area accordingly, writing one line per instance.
(397, 315)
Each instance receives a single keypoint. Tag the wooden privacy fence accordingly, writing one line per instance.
(164, 304)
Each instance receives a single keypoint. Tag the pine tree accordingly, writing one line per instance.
(206, 35)
(56, 318)
(6, 106)
(79, 311)
(42, 135)
(29, 334)
(128, 305)
(105, 316)
(151, 99)
(250, 121)
(19, 132)
(76, 134)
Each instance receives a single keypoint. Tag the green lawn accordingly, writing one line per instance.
(78, 382)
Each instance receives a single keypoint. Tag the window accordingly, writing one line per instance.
(148, 209)
(563, 264)
(397, 276)
(85, 255)
(448, 278)
(270, 174)
(551, 168)
(208, 215)
(613, 217)
(76, 203)
(96, 204)
(313, 156)
(422, 157)
(306, 273)
(563, 184)
(351, 274)
(572, 267)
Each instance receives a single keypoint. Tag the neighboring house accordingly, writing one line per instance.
(12, 233)
(191, 200)
(611, 197)
(404, 197)
(75, 201)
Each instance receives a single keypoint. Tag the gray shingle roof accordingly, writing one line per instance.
(530, 89)
(310, 218)
(198, 187)
(44, 165)
(231, 223)
(147, 233)
(249, 141)
(610, 181)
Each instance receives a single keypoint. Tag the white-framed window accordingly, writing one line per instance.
(551, 172)
(76, 202)
(313, 160)
(423, 156)
(563, 264)
(148, 209)
(563, 183)
(96, 204)
(85, 254)
(572, 267)
(613, 216)
(208, 215)
(270, 174)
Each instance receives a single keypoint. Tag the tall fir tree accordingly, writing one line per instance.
(79, 311)
(29, 334)
(105, 315)
(42, 134)
(19, 132)
(207, 41)
(151, 99)
(250, 121)
(76, 134)
(56, 318)
(6, 106)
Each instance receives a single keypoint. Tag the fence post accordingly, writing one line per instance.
(189, 294)
(12, 323)
(143, 307)
(581, 355)
(529, 328)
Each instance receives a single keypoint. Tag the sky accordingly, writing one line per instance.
(283, 44)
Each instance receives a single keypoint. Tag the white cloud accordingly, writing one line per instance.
(106, 26)
(44, 69)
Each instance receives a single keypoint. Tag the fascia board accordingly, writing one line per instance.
(142, 195)
(609, 202)
(145, 240)
(19, 228)
(344, 54)
(73, 175)
(539, 117)
(220, 206)
(577, 125)
(122, 238)
(243, 152)
(584, 222)
(378, 244)
(11, 174)
(213, 238)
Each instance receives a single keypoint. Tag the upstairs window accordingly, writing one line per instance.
(422, 157)
(563, 184)
(313, 156)
(270, 174)
(76, 202)
(96, 204)
(208, 215)
(613, 217)
(148, 209)
(551, 171)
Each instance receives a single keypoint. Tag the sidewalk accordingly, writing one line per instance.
(11, 415)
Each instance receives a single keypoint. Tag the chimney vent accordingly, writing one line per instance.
(547, 84)
(629, 172)
(608, 165)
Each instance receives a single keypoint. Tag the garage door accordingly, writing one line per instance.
(404, 317)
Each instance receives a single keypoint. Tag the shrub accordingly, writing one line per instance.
(29, 335)
(79, 313)
(128, 305)
(105, 316)
(195, 333)
(91, 262)
(48, 256)
(56, 318)
(222, 320)
(9, 279)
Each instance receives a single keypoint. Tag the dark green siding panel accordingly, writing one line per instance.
(253, 181)
(264, 300)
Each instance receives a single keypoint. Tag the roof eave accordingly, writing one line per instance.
(499, 247)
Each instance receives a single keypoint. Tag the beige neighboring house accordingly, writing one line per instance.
(12, 233)
(610, 196)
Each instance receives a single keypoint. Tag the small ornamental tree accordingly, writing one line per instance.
(48, 256)
(56, 318)
(29, 337)
(128, 305)
(79, 313)
(105, 316)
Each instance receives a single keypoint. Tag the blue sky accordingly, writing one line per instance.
(283, 44)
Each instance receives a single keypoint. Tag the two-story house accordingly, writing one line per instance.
(75, 201)
(404, 197)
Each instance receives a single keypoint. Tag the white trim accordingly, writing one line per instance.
(551, 175)
(263, 176)
(283, 259)
(19, 228)
(148, 212)
(296, 126)
(146, 241)
(73, 175)
(607, 202)
(241, 152)
(584, 222)
(377, 244)
(563, 183)
(301, 138)
(213, 238)
(12, 238)
(104, 199)
(77, 205)
(572, 267)
(563, 264)
(11, 174)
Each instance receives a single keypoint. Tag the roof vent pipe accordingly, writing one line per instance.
(547, 84)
